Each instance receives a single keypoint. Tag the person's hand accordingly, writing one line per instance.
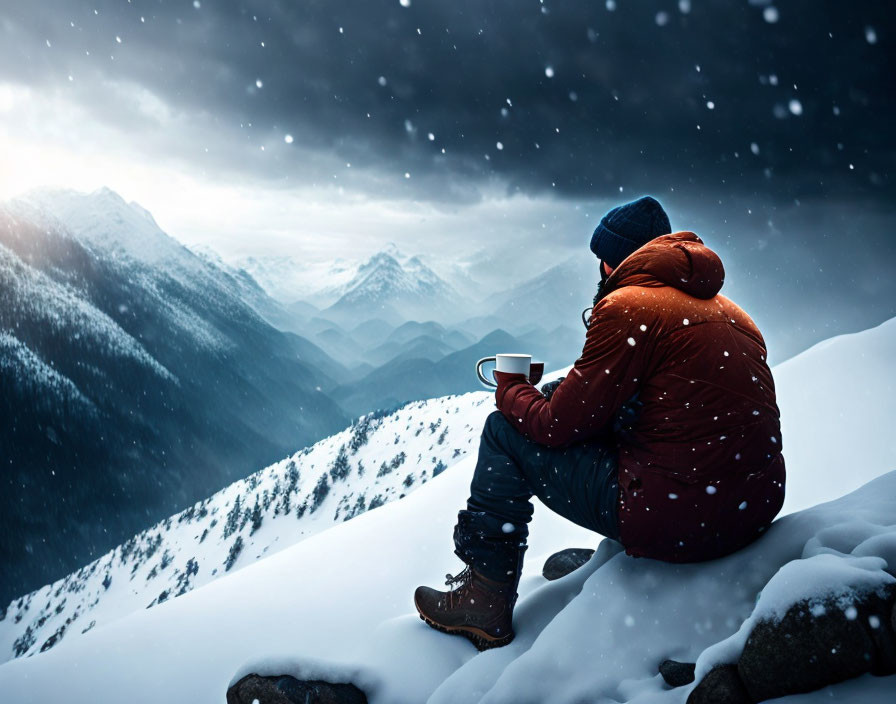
(548, 389)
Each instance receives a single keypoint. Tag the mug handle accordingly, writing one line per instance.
(485, 382)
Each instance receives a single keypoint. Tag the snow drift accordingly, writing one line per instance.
(338, 605)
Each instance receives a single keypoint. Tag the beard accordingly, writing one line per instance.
(601, 292)
(602, 284)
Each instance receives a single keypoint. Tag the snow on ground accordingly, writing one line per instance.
(339, 605)
(838, 402)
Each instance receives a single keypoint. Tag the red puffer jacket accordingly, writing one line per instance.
(700, 467)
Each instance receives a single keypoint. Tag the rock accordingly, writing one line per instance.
(677, 674)
(721, 686)
(810, 647)
(562, 563)
(284, 689)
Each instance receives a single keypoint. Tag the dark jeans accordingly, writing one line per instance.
(578, 482)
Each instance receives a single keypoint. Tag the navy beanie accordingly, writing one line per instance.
(627, 228)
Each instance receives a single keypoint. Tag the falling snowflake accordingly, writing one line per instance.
(549, 71)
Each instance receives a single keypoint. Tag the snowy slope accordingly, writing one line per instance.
(339, 605)
(31, 295)
(379, 458)
(838, 405)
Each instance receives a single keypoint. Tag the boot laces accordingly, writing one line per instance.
(462, 578)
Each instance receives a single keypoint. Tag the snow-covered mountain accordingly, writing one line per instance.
(136, 380)
(338, 604)
(386, 288)
(291, 278)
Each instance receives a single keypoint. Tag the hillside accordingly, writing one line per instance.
(379, 458)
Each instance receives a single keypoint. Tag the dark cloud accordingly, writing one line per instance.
(628, 102)
(773, 140)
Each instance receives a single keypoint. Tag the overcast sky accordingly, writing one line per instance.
(469, 128)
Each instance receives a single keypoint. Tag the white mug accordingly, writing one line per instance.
(512, 364)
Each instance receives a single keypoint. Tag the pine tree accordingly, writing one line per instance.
(341, 466)
(256, 517)
(320, 492)
(234, 553)
(233, 518)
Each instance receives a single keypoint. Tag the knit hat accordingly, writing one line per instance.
(627, 228)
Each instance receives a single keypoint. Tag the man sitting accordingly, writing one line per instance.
(664, 435)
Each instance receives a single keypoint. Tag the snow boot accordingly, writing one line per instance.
(478, 608)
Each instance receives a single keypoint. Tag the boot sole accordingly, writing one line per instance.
(478, 637)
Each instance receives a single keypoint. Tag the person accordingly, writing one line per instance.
(664, 435)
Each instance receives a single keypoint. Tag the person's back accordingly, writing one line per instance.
(700, 467)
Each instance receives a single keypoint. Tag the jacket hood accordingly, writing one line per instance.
(680, 260)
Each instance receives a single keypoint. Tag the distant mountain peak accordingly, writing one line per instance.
(412, 289)
(380, 260)
(103, 192)
(393, 251)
